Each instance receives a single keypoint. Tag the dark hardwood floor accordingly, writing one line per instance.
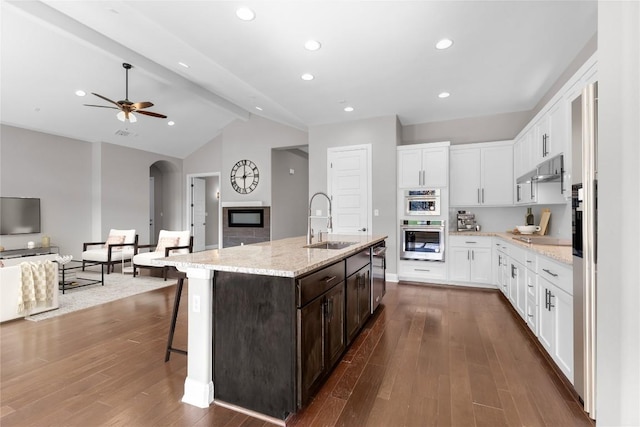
(430, 356)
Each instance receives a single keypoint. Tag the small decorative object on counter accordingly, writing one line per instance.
(46, 241)
(529, 217)
(31, 245)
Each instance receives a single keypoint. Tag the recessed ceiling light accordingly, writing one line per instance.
(258, 108)
(444, 95)
(245, 14)
(348, 109)
(171, 123)
(183, 64)
(80, 92)
(307, 76)
(312, 45)
(444, 44)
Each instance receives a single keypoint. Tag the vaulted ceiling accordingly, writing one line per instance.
(378, 57)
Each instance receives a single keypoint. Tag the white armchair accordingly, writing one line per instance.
(121, 245)
(169, 243)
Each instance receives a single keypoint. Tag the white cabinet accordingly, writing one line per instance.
(423, 165)
(470, 259)
(421, 271)
(501, 266)
(555, 304)
(481, 174)
(531, 288)
(551, 132)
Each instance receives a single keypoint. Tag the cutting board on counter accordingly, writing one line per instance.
(545, 215)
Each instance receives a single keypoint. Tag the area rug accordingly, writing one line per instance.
(116, 286)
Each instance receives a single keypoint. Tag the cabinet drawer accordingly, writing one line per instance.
(470, 241)
(357, 261)
(315, 284)
(556, 273)
(422, 270)
(519, 254)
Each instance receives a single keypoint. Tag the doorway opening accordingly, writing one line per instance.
(204, 211)
(164, 191)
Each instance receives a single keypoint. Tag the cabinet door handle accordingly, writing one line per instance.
(483, 195)
(549, 272)
(473, 255)
(468, 255)
(329, 279)
(517, 192)
(550, 304)
(513, 269)
(470, 241)
(478, 195)
(422, 269)
(329, 306)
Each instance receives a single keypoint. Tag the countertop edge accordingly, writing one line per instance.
(185, 261)
(562, 254)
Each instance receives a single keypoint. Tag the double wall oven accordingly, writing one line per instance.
(422, 236)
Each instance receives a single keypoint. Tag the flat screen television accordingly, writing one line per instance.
(19, 215)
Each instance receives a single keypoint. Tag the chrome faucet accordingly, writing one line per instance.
(329, 221)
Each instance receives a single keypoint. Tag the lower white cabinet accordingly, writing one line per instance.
(517, 293)
(555, 306)
(470, 259)
(422, 270)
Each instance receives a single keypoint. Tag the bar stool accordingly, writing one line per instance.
(176, 306)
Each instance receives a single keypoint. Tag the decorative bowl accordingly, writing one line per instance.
(528, 229)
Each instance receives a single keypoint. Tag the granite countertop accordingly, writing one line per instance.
(562, 253)
(282, 258)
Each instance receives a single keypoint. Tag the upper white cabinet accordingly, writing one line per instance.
(423, 165)
(481, 174)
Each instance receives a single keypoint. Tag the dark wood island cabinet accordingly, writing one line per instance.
(277, 334)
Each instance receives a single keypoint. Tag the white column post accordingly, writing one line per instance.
(198, 386)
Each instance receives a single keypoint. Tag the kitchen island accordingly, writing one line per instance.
(267, 322)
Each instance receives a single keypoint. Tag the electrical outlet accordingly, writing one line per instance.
(195, 306)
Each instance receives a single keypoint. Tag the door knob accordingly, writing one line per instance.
(363, 229)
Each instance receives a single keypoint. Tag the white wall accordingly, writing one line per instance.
(382, 133)
(618, 293)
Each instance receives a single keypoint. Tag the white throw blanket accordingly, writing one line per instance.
(38, 281)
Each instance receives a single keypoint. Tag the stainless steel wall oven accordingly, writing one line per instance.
(422, 240)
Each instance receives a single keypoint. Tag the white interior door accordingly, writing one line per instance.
(199, 214)
(349, 185)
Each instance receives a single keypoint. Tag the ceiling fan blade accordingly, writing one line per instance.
(152, 114)
(100, 106)
(141, 105)
(106, 99)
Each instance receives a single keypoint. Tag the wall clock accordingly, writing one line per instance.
(244, 176)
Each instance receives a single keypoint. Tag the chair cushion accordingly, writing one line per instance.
(145, 258)
(100, 255)
(183, 239)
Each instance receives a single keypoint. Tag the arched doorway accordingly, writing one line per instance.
(165, 194)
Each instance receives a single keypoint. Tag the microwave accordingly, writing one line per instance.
(422, 202)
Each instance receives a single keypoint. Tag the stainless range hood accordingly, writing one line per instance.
(550, 170)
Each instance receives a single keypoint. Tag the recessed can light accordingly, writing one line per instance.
(171, 123)
(258, 108)
(182, 64)
(80, 92)
(444, 44)
(307, 76)
(444, 95)
(348, 109)
(245, 14)
(312, 45)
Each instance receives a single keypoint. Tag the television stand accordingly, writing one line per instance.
(21, 253)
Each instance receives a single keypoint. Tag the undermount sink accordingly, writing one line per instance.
(330, 245)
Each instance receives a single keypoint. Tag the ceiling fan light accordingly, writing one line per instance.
(123, 117)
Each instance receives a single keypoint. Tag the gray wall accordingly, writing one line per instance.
(212, 186)
(618, 292)
(289, 193)
(382, 134)
(499, 127)
(85, 188)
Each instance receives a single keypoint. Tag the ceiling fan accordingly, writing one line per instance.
(125, 106)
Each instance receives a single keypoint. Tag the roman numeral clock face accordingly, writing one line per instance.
(244, 176)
